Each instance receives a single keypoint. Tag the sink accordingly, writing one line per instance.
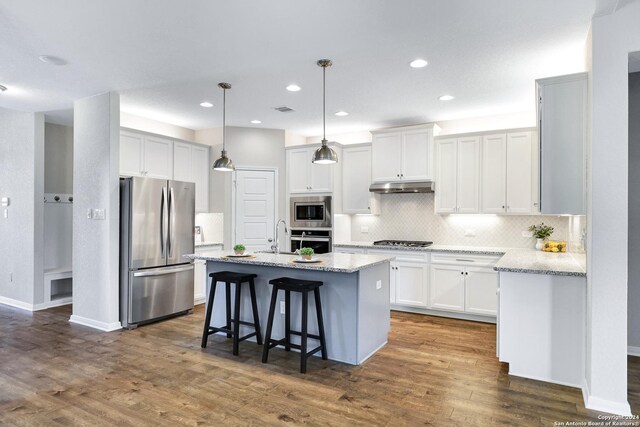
(273, 252)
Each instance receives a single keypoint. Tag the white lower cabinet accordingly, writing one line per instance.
(481, 287)
(409, 283)
(447, 288)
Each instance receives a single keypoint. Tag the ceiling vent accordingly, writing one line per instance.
(284, 109)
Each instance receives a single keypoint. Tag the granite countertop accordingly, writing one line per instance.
(205, 244)
(332, 262)
(512, 259)
(478, 250)
(538, 262)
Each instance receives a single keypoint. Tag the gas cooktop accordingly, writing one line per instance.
(403, 243)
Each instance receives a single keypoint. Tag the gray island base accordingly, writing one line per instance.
(355, 298)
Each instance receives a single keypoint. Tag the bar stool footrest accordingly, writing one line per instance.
(298, 333)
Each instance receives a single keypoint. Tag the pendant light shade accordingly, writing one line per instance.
(224, 163)
(324, 155)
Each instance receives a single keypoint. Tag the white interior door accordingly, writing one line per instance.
(254, 209)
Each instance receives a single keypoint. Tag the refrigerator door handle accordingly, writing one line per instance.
(172, 215)
(163, 271)
(163, 221)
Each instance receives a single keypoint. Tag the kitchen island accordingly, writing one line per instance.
(355, 297)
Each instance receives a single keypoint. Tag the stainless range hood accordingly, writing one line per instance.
(402, 187)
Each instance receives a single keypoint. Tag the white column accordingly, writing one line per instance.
(96, 186)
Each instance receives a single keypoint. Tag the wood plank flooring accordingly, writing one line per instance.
(434, 371)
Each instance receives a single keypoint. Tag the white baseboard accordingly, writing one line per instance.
(633, 351)
(540, 378)
(603, 405)
(16, 303)
(199, 299)
(95, 324)
(51, 304)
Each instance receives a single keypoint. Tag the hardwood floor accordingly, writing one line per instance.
(434, 371)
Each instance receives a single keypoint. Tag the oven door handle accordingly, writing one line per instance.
(312, 239)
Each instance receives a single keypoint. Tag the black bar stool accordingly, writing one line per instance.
(229, 277)
(289, 285)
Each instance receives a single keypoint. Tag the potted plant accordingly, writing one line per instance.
(239, 249)
(307, 253)
(541, 232)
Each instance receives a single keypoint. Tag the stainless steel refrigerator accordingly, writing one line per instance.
(156, 229)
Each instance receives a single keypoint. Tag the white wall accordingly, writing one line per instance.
(481, 124)
(613, 37)
(245, 147)
(634, 211)
(58, 159)
(132, 121)
(96, 185)
(22, 180)
(343, 138)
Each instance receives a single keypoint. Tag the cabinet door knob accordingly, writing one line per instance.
(462, 272)
(502, 206)
(466, 273)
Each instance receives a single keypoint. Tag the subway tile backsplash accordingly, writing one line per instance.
(412, 217)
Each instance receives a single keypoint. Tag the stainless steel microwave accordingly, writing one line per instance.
(310, 212)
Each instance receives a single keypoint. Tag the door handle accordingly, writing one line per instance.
(170, 228)
(163, 221)
(163, 271)
(269, 240)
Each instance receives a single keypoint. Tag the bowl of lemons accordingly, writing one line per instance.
(551, 246)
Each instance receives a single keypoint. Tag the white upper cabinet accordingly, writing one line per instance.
(356, 179)
(191, 164)
(458, 175)
(303, 176)
(508, 172)
(520, 167)
(468, 184)
(158, 157)
(562, 118)
(145, 155)
(131, 154)
(403, 154)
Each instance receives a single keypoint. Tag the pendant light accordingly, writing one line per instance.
(324, 155)
(224, 164)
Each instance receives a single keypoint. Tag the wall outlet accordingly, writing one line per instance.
(469, 232)
(379, 284)
(10, 277)
(364, 229)
(282, 307)
(6, 213)
(89, 213)
(527, 233)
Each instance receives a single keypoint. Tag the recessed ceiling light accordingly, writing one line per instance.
(293, 88)
(3, 88)
(446, 97)
(206, 104)
(256, 122)
(53, 60)
(341, 113)
(418, 63)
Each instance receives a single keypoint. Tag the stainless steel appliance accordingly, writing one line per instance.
(403, 243)
(318, 240)
(310, 212)
(402, 187)
(156, 229)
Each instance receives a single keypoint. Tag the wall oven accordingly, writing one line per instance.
(310, 212)
(318, 240)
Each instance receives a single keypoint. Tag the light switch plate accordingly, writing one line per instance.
(379, 284)
(5, 201)
(89, 213)
(527, 234)
(98, 214)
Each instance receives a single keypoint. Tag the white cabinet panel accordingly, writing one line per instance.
(158, 157)
(494, 173)
(416, 155)
(446, 288)
(356, 179)
(468, 181)
(387, 157)
(200, 170)
(306, 177)
(446, 175)
(182, 161)
(131, 153)
(411, 283)
(519, 172)
(481, 286)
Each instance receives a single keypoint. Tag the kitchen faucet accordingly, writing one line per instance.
(276, 247)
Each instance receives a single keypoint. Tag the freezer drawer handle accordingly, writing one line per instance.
(163, 272)
(464, 260)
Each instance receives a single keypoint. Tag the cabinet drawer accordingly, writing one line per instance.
(402, 255)
(350, 250)
(465, 259)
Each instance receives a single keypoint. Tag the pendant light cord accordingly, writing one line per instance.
(324, 105)
(224, 118)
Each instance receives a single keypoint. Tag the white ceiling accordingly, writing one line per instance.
(165, 57)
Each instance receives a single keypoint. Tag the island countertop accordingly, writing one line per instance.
(332, 262)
